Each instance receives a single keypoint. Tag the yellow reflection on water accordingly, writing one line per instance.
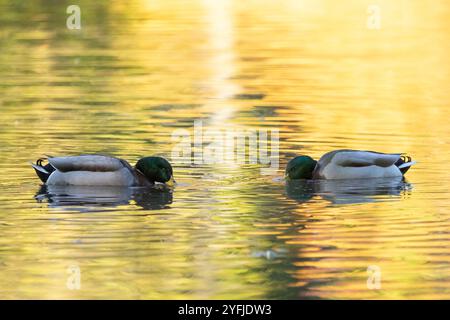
(311, 69)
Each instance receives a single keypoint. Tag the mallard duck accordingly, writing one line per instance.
(99, 170)
(349, 164)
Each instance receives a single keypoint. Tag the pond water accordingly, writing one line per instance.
(316, 71)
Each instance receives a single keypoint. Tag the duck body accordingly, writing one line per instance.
(357, 164)
(349, 164)
(99, 170)
(121, 177)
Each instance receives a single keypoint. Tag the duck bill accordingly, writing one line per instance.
(171, 182)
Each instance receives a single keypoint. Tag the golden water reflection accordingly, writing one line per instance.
(135, 73)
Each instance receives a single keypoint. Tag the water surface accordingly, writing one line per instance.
(136, 72)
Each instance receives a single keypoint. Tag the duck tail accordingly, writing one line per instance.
(43, 172)
(404, 163)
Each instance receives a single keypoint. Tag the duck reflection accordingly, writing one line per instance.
(158, 197)
(348, 191)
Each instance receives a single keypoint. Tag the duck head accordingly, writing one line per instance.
(301, 167)
(155, 169)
